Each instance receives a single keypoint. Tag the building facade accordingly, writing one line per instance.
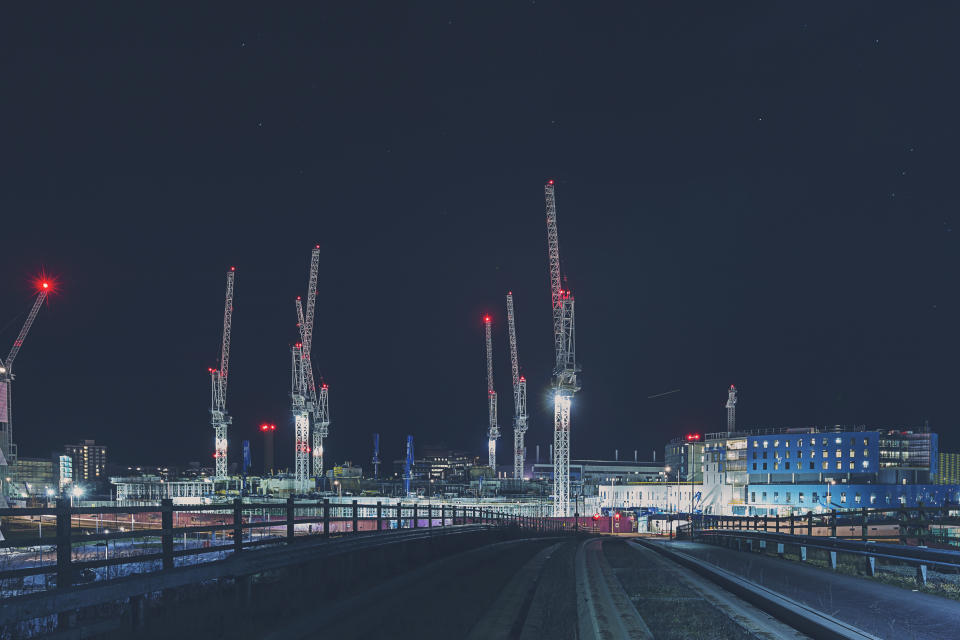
(684, 456)
(89, 460)
(948, 468)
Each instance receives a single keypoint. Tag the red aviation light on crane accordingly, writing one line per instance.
(693, 437)
(550, 181)
(325, 385)
(486, 318)
(233, 268)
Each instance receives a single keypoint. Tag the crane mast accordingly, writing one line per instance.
(732, 409)
(319, 408)
(301, 418)
(519, 396)
(565, 371)
(219, 418)
(8, 450)
(494, 430)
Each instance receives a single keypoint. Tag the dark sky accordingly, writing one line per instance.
(761, 194)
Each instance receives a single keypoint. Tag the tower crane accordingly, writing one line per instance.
(301, 418)
(565, 371)
(318, 399)
(732, 409)
(8, 450)
(408, 466)
(219, 418)
(519, 396)
(494, 430)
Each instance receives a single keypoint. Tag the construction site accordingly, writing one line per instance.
(437, 476)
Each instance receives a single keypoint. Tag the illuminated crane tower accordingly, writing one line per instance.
(519, 396)
(8, 450)
(218, 388)
(301, 419)
(318, 400)
(565, 369)
(732, 409)
(376, 456)
(494, 431)
(408, 466)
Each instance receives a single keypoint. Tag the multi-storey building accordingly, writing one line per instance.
(89, 460)
(684, 456)
(948, 468)
(797, 470)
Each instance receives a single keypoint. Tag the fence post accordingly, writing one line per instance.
(443, 515)
(237, 525)
(64, 551)
(415, 515)
(833, 523)
(399, 515)
(166, 532)
(290, 532)
(326, 517)
(355, 517)
(777, 522)
(809, 523)
(765, 517)
(429, 515)
(863, 524)
(379, 517)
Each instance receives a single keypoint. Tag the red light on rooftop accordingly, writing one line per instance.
(596, 516)
(693, 436)
(616, 516)
(233, 268)
(317, 247)
(550, 181)
(299, 345)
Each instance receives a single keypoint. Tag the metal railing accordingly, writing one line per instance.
(920, 525)
(155, 543)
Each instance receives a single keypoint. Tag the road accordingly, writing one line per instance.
(884, 610)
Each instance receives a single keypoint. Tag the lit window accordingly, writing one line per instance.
(873, 498)
(754, 444)
(813, 442)
(788, 496)
(866, 463)
(799, 454)
(866, 453)
(839, 466)
(776, 443)
(765, 443)
(826, 465)
(843, 497)
(776, 466)
(839, 453)
(776, 496)
(853, 453)
(853, 465)
(787, 455)
(839, 440)
(813, 454)
(866, 442)
(800, 497)
(799, 443)
(823, 442)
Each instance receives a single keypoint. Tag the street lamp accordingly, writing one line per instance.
(75, 493)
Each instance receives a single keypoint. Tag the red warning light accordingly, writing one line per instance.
(596, 516)
(233, 268)
(486, 318)
(550, 181)
(693, 436)
(616, 516)
(299, 345)
(524, 378)
(317, 247)
(324, 385)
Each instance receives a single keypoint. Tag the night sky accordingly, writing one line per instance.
(761, 194)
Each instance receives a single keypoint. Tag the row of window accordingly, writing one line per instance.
(813, 442)
(813, 454)
(798, 466)
(816, 497)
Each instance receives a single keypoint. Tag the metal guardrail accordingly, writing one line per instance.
(237, 522)
(907, 525)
